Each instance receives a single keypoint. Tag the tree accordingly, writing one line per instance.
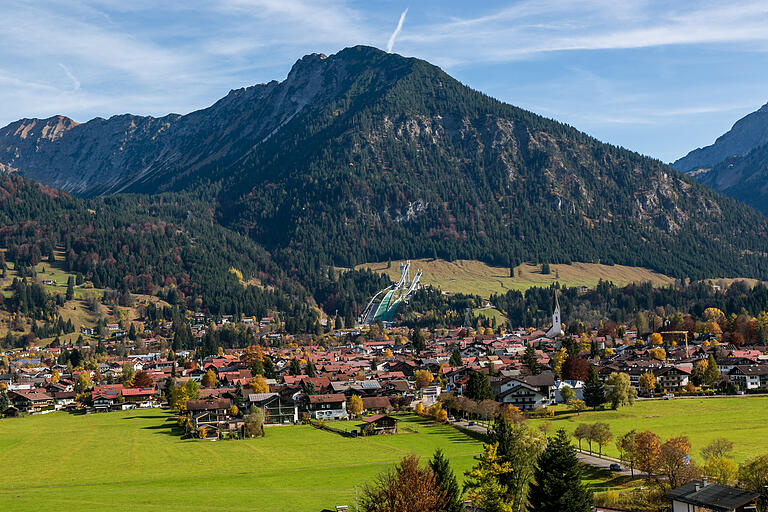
(143, 379)
(83, 382)
(5, 403)
(712, 374)
(209, 379)
(294, 367)
(423, 378)
(417, 341)
(478, 387)
(655, 339)
(419, 408)
(717, 463)
(406, 488)
(355, 405)
(530, 360)
(601, 434)
(718, 447)
(170, 385)
(519, 445)
(578, 406)
(675, 463)
(483, 481)
(254, 423)
(70, 288)
(594, 391)
(619, 390)
(647, 383)
(627, 447)
(720, 469)
(545, 269)
(259, 384)
(648, 450)
(575, 367)
(753, 476)
(269, 368)
(557, 485)
(582, 431)
(455, 359)
(567, 394)
(446, 481)
(309, 369)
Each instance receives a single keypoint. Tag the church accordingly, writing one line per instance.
(557, 326)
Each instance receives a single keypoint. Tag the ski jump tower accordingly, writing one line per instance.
(384, 304)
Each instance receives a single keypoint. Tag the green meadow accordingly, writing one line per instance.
(129, 461)
(743, 420)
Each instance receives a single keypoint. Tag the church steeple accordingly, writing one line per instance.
(557, 326)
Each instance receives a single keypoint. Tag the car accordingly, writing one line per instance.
(668, 396)
(471, 424)
(615, 467)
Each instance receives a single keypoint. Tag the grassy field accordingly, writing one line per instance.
(743, 420)
(470, 276)
(129, 461)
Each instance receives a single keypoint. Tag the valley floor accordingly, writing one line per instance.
(128, 461)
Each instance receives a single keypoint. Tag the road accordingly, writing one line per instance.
(586, 458)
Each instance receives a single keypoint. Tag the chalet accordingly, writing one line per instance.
(376, 404)
(106, 400)
(64, 399)
(378, 424)
(113, 328)
(701, 496)
(211, 416)
(361, 388)
(31, 401)
(527, 392)
(274, 409)
(49, 282)
(672, 378)
(327, 407)
(140, 397)
(749, 376)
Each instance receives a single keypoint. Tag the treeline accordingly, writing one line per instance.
(658, 306)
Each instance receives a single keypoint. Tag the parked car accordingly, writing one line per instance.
(615, 467)
(668, 396)
(471, 424)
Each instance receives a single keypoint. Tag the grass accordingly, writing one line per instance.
(741, 420)
(475, 277)
(127, 461)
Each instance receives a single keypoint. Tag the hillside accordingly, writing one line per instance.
(747, 133)
(477, 278)
(367, 156)
(737, 163)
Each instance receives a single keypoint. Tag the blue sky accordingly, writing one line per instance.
(660, 78)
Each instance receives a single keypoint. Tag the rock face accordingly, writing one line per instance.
(746, 134)
(138, 153)
(737, 163)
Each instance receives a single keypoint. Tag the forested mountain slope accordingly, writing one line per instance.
(368, 156)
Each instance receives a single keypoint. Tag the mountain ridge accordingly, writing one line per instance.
(367, 156)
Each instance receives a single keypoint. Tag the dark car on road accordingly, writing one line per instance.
(615, 467)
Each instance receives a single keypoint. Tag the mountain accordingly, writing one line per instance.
(368, 156)
(737, 163)
(746, 134)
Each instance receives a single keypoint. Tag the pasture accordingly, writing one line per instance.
(127, 461)
(743, 420)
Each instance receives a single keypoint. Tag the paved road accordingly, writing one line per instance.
(586, 458)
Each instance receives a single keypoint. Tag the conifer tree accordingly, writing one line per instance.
(446, 480)
(530, 360)
(557, 485)
(594, 391)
